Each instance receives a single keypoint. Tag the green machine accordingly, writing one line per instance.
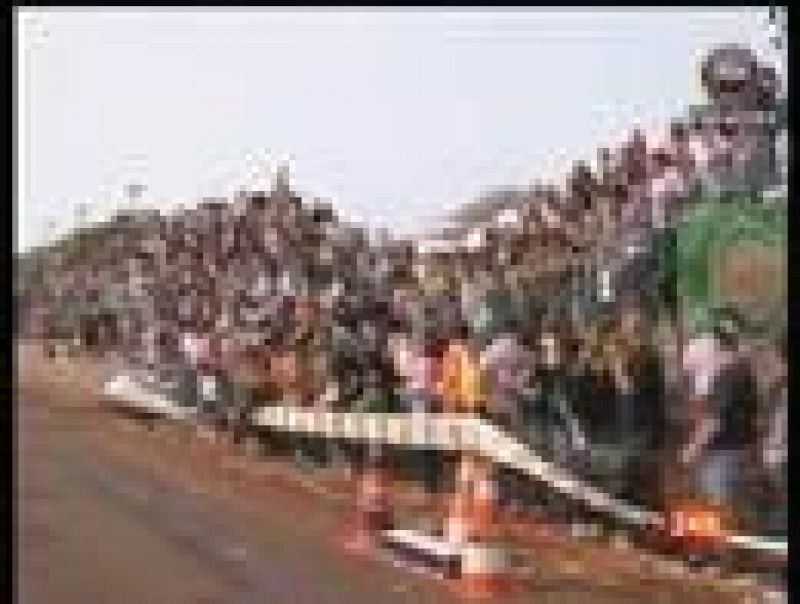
(729, 261)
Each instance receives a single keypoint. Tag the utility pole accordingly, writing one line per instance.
(133, 193)
(778, 24)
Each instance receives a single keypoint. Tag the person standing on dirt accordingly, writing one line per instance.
(507, 365)
(407, 357)
(771, 450)
(774, 453)
(463, 388)
(640, 402)
(549, 396)
(722, 415)
(210, 378)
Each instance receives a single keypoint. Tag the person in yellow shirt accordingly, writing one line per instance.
(462, 386)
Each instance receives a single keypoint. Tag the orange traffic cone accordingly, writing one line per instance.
(474, 523)
(373, 509)
(698, 526)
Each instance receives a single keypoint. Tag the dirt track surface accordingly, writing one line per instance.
(110, 511)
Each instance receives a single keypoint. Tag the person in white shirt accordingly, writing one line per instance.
(189, 347)
(721, 400)
(703, 360)
(198, 353)
(506, 364)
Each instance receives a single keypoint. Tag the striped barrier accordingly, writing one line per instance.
(443, 432)
(128, 392)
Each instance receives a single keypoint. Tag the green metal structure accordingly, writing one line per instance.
(729, 261)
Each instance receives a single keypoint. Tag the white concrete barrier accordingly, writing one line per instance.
(125, 391)
(435, 431)
(455, 433)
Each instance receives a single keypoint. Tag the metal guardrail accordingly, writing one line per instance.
(450, 433)
(438, 431)
(125, 388)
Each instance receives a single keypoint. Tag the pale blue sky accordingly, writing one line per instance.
(393, 114)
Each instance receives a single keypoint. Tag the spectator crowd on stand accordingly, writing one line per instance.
(270, 299)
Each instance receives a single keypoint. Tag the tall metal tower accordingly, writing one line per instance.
(779, 32)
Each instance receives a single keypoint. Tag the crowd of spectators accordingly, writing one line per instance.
(272, 299)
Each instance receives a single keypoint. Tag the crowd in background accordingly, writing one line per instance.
(605, 396)
(270, 299)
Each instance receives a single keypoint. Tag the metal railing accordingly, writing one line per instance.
(446, 432)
